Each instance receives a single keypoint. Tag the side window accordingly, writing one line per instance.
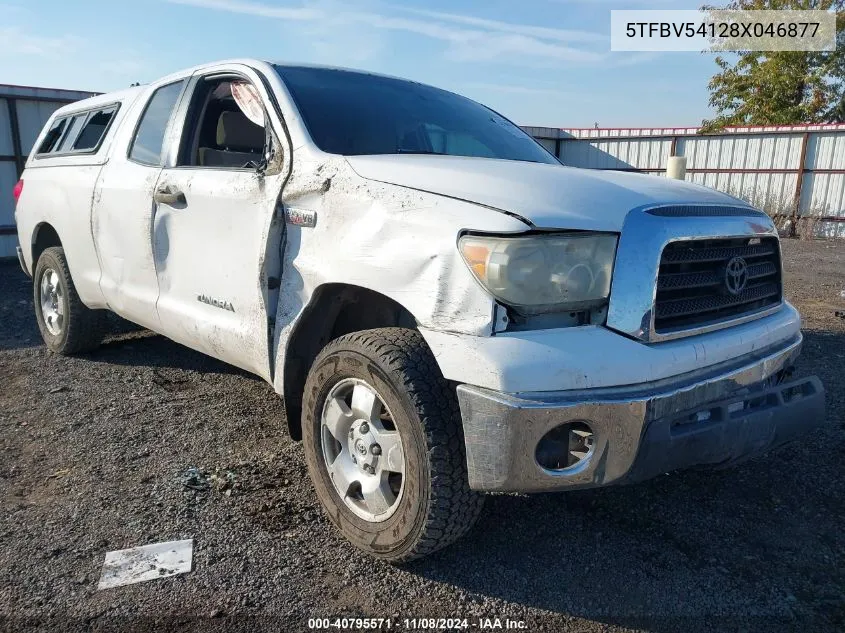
(225, 126)
(52, 139)
(149, 136)
(70, 135)
(95, 129)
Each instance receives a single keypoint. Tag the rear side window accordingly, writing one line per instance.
(94, 130)
(81, 132)
(149, 137)
(52, 139)
(72, 132)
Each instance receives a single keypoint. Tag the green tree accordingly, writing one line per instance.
(779, 87)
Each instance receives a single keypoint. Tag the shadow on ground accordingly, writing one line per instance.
(17, 320)
(126, 343)
(148, 349)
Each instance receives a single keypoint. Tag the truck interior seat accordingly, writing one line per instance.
(239, 141)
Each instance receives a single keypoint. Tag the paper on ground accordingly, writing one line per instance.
(159, 560)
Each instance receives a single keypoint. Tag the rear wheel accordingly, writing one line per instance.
(383, 442)
(67, 325)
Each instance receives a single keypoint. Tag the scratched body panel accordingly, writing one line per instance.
(395, 241)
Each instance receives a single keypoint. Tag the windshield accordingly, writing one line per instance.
(355, 114)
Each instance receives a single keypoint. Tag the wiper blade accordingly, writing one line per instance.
(419, 151)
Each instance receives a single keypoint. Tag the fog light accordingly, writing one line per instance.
(565, 446)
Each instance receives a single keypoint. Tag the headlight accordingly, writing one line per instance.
(543, 273)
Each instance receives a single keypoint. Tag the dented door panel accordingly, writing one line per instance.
(217, 245)
(210, 262)
(121, 222)
(122, 225)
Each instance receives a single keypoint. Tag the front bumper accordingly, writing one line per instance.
(719, 417)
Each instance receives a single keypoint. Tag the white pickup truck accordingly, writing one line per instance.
(444, 308)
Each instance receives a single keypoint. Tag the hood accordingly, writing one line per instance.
(548, 196)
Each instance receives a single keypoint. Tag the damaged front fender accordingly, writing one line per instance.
(395, 241)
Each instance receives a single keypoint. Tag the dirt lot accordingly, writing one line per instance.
(94, 448)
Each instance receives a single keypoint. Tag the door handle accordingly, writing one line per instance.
(170, 197)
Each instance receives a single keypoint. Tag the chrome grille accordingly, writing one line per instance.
(707, 281)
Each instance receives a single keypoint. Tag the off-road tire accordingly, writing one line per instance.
(437, 506)
(82, 328)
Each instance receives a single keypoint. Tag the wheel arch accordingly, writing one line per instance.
(44, 235)
(335, 309)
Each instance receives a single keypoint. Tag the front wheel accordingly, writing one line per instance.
(384, 445)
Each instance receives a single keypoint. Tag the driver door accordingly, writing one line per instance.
(216, 244)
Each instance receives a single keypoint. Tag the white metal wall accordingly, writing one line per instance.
(787, 170)
(23, 112)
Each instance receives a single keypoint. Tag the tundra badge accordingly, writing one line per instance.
(217, 303)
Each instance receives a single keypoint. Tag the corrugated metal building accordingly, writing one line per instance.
(794, 172)
(23, 112)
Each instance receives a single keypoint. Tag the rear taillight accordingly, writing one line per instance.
(18, 190)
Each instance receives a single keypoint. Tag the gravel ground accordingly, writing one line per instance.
(93, 450)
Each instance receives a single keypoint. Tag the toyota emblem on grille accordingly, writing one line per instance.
(736, 275)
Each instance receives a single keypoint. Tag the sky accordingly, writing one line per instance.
(538, 62)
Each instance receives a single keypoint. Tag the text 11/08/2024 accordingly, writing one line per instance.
(416, 624)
